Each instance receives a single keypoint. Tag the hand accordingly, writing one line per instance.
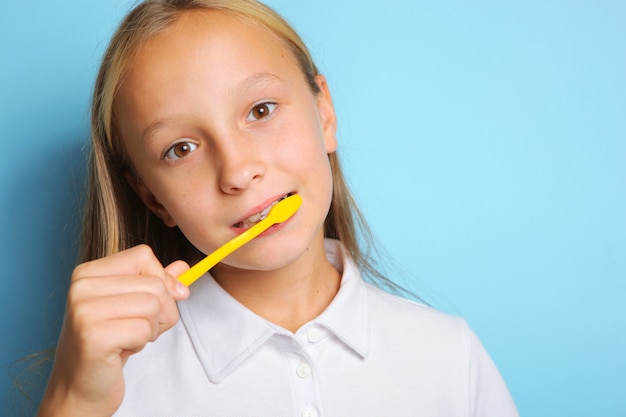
(115, 306)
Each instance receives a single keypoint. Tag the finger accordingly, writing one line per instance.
(154, 304)
(138, 260)
(89, 287)
(87, 316)
(178, 290)
(176, 268)
(112, 338)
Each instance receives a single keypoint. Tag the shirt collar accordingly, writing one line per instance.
(347, 316)
(225, 333)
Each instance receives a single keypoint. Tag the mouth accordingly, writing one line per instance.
(257, 217)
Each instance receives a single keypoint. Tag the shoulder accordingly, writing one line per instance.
(402, 325)
(443, 347)
(393, 309)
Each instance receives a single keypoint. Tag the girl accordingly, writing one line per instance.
(205, 113)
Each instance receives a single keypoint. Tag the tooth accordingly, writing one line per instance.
(255, 217)
(265, 212)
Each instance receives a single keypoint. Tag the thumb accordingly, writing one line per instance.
(178, 290)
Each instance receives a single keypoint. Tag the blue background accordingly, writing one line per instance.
(485, 141)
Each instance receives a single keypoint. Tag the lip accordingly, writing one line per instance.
(259, 208)
(270, 229)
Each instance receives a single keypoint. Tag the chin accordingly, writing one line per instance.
(267, 259)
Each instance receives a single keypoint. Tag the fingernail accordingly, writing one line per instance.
(181, 289)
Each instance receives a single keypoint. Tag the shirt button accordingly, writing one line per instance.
(303, 370)
(313, 335)
(310, 412)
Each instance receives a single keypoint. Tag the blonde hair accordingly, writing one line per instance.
(115, 218)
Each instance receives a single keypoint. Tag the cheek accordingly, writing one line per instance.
(185, 206)
(179, 188)
(181, 203)
(320, 176)
(197, 220)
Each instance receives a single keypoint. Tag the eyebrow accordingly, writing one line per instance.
(259, 79)
(154, 127)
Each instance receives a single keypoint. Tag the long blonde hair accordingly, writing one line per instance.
(115, 218)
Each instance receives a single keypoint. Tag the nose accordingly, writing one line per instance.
(241, 166)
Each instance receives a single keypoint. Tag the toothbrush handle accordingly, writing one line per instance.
(192, 274)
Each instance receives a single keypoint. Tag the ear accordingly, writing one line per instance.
(148, 198)
(327, 114)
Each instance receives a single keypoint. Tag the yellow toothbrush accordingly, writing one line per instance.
(281, 211)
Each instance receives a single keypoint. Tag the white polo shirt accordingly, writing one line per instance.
(369, 354)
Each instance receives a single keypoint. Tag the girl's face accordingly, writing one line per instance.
(219, 123)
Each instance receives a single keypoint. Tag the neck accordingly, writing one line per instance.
(289, 297)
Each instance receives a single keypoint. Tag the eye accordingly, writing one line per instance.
(180, 150)
(261, 111)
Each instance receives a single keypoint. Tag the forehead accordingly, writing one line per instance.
(222, 44)
(204, 59)
(212, 37)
